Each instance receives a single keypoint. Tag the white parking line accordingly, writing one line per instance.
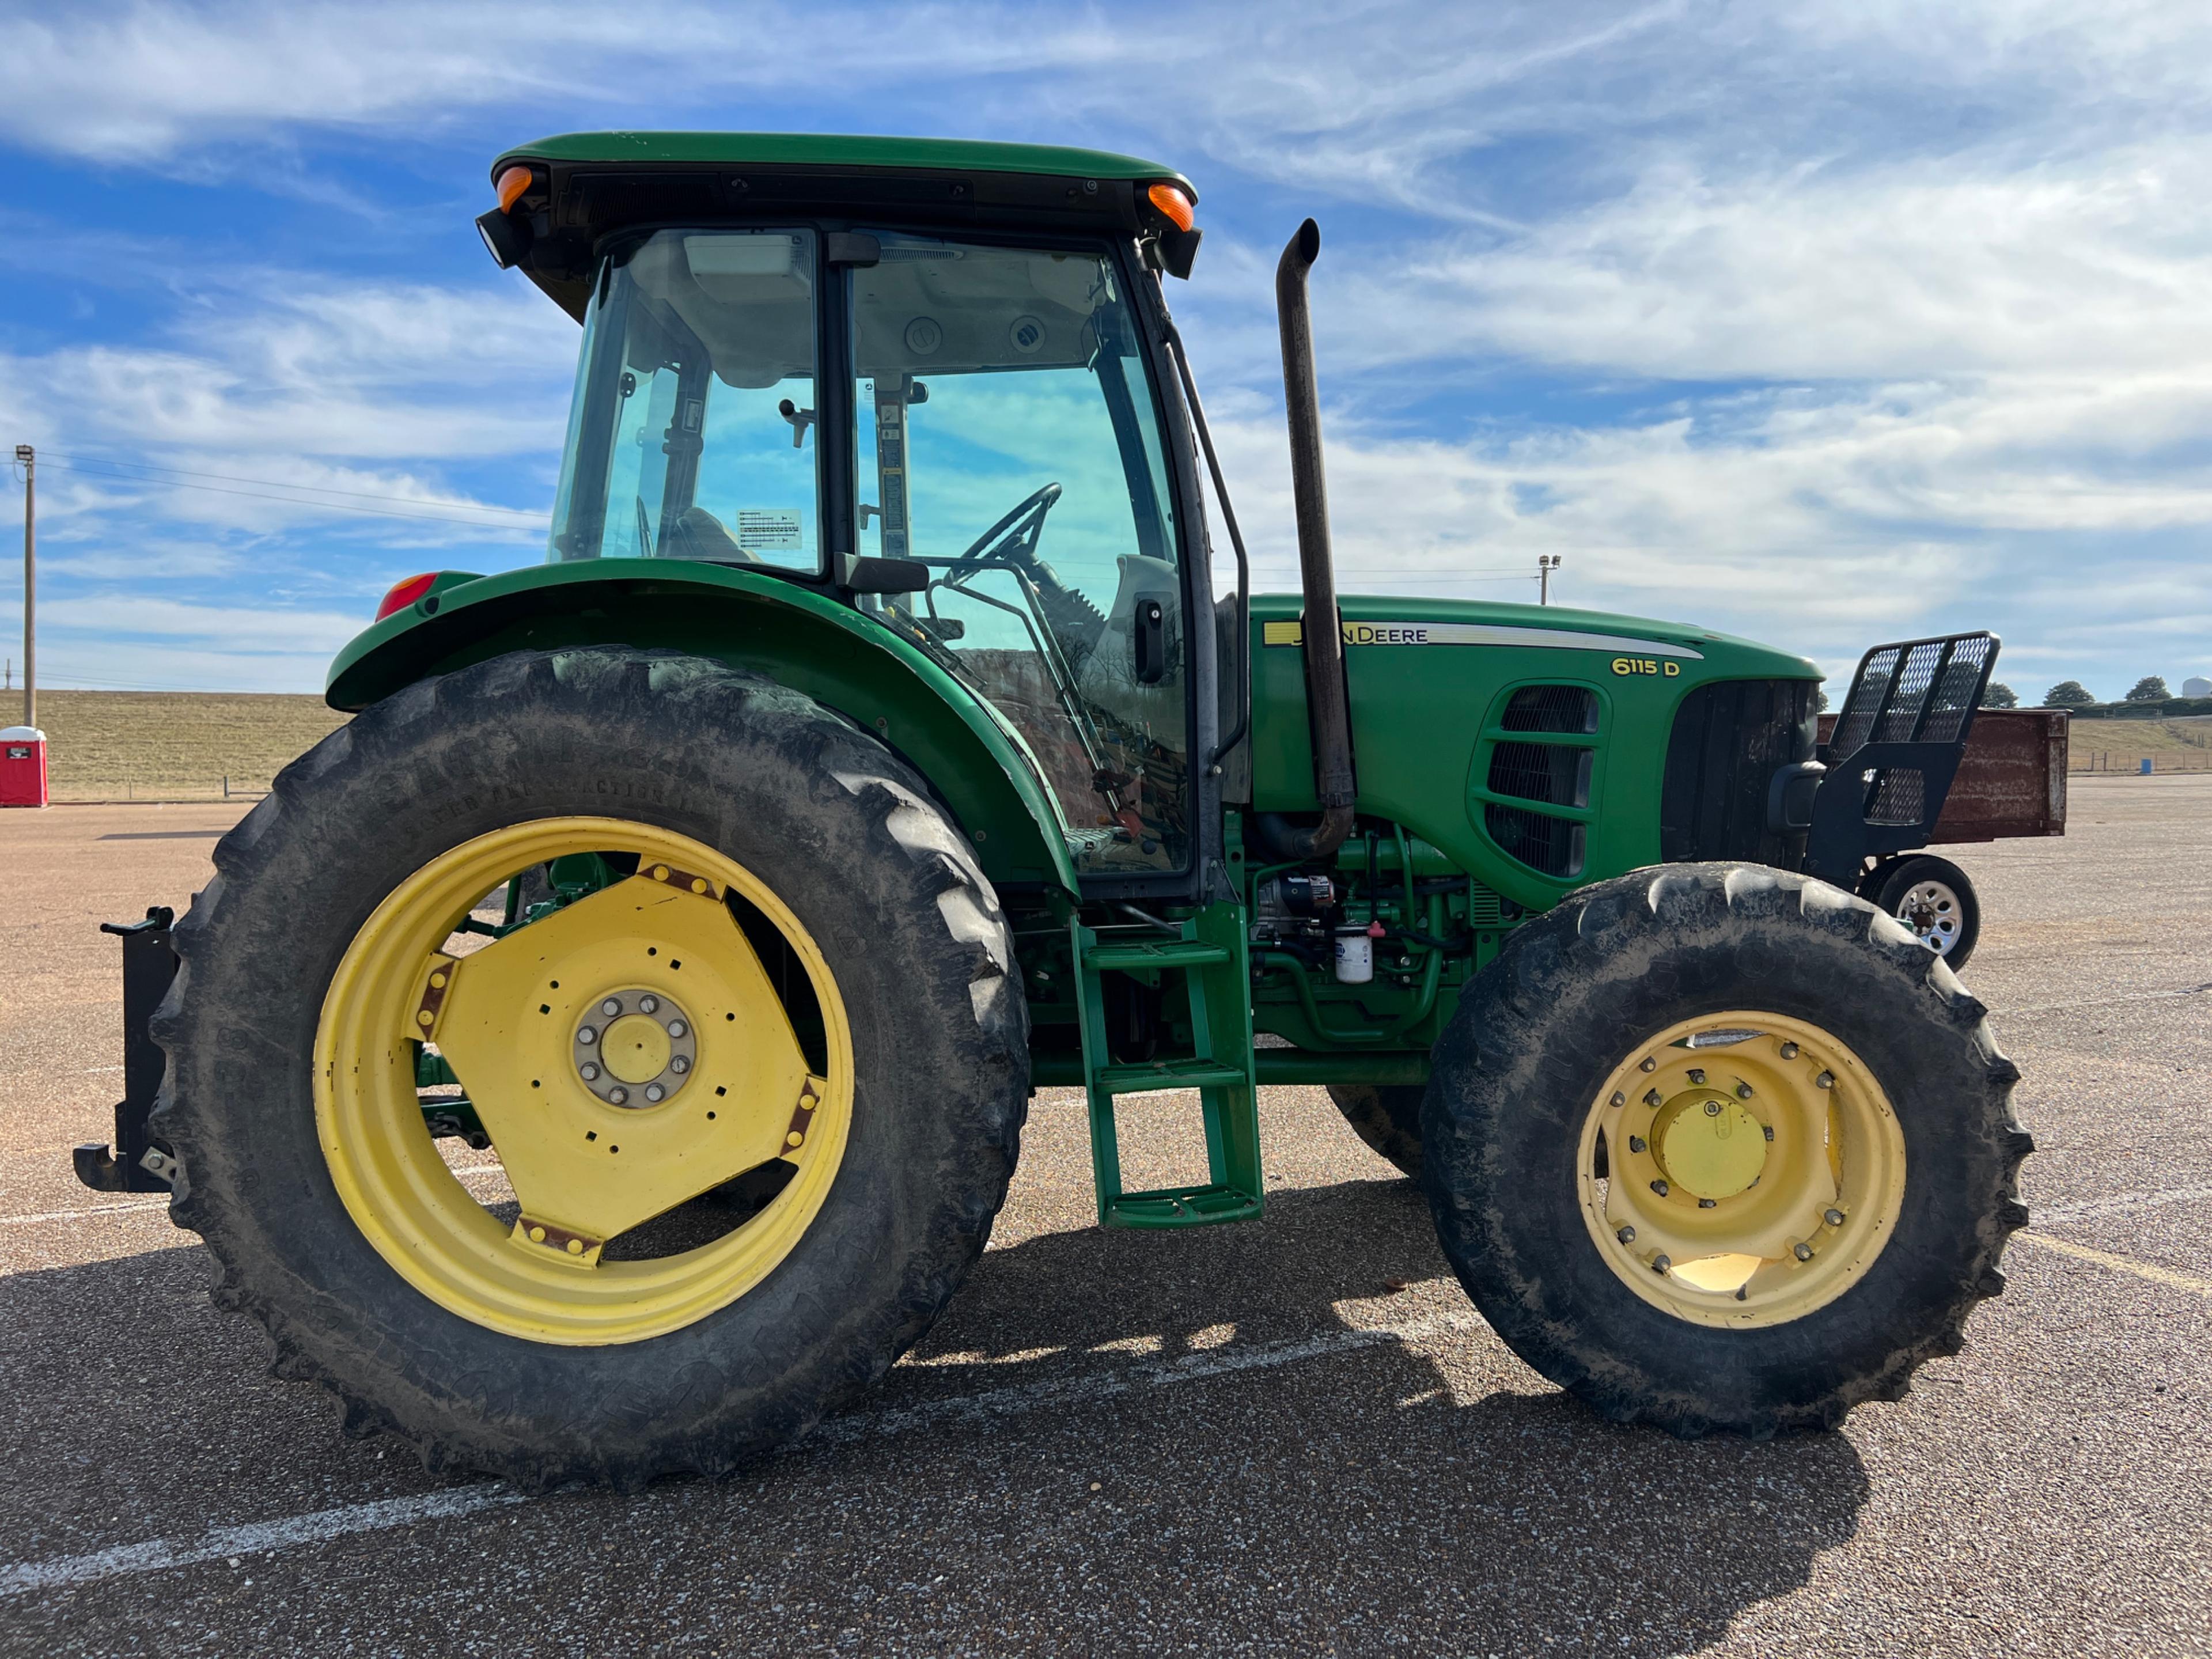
(81, 1215)
(2124, 1264)
(24, 1577)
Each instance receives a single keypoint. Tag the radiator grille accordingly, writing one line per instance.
(1537, 839)
(1728, 740)
(1552, 708)
(1553, 773)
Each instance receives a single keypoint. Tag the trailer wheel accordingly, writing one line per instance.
(1933, 898)
(1721, 1148)
(753, 1084)
(1386, 1117)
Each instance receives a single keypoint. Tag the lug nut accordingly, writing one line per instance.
(1743, 1092)
(1660, 1187)
(611, 1006)
(654, 1091)
(1653, 1098)
(1635, 1143)
(1696, 1074)
(587, 1034)
(619, 1096)
(679, 1065)
(588, 1072)
(1712, 1109)
(1661, 1263)
(676, 1028)
(1649, 1064)
(1769, 1128)
(1789, 1051)
(1834, 1217)
(1826, 1080)
(1626, 1234)
(1707, 1204)
(648, 1005)
(1619, 1098)
(1803, 1252)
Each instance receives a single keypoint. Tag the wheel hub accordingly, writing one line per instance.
(1711, 1146)
(634, 1047)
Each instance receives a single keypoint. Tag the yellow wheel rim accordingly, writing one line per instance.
(626, 1053)
(1754, 1169)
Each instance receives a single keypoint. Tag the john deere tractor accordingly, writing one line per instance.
(606, 1054)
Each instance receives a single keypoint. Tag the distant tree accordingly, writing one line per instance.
(2000, 695)
(1820, 700)
(2068, 694)
(2151, 688)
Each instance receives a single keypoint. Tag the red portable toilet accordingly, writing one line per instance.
(22, 765)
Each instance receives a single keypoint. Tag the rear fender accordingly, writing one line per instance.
(791, 634)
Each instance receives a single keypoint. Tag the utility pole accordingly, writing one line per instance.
(29, 457)
(1546, 564)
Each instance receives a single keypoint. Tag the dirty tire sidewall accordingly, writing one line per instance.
(847, 836)
(1386, 1117)
(1575, 991)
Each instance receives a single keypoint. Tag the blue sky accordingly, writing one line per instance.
(1824, 324)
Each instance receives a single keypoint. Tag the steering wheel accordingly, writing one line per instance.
(1016, 535)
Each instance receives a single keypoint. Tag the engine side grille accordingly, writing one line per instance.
(1537, 839)
(1729, 738)
(1552, 708)
(1553, 773)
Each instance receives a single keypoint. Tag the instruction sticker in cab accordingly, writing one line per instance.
(1663, 657)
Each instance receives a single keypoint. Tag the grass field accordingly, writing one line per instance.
(2177, 745)
(174, 745)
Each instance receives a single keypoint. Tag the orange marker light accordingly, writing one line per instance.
(511, 184)
(1170, 200)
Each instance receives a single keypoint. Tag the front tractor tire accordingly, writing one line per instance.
(1716, 1147)
(744, 1041)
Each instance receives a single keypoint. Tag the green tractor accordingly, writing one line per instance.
(606, 1054)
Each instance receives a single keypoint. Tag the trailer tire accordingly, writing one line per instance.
(1386, 1117)
(1547, 1047)
(841, 832)
(1935, 898)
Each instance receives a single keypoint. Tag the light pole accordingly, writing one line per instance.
(28, 457)
(1546, 564)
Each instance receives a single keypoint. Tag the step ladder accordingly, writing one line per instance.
(1212, 958)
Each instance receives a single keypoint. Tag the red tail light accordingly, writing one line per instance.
(404, 594)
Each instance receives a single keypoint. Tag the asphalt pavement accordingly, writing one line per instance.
(1294, 1435)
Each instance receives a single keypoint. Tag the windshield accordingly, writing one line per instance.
(1008, 438)
(690, 433)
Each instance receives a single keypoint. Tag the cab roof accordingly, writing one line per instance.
(588, 186)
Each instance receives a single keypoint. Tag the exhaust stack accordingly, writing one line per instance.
(1329, 705)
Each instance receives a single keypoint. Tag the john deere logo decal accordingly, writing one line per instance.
(1651, 656)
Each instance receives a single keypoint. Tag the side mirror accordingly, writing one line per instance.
(1148, 642)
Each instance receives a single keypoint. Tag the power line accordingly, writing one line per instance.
(279, 484)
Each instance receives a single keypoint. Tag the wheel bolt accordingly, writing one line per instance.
(588, 1072)
(1653, 1098)
(1826, 1080)
(1661, 1263)
(1712, 1109)
(611, 1006)
(654, 1091)
(1696, 1074)
(1743, 1092)
(1789, 1051)
(1619, 1098)
(1626, 1235)
(618, 1096)
(1834, 1217)
(1660, 1187)
(679, 1065)
(1803, 1252)
(648, 1005)
(1635, 1143)
(587, 1034)
(1707, 1204)
(1770, 1130)
(1649, 1064)
(676, 1028)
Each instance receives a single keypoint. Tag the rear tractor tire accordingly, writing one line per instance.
(752, 1066)
(1717, 1147)
(1386, 1117)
